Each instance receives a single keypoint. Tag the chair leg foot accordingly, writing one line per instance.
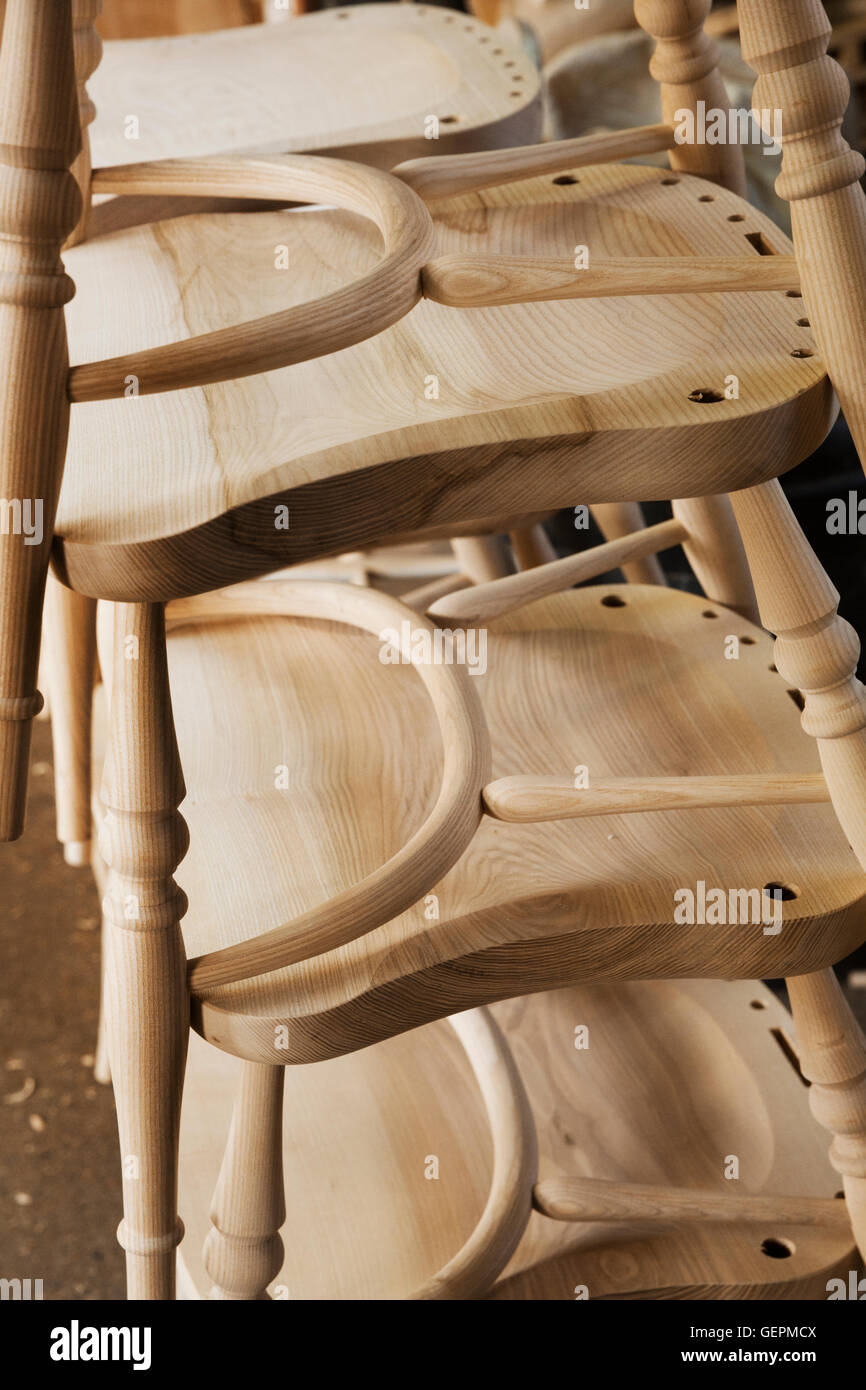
(243, 1252)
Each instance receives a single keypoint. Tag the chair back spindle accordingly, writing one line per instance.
(685, 65)
(785, 41)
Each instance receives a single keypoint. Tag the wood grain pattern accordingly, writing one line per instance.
(364, 1222)
(442, 836)
(142, 839)
(613, 424)
(490, 600)
(39, 206)
(361, 82)
(473, 282)
(530, 799)
(441, 176)
(347, 316)
(525, 906)
(821, 180)
(685, 65)
(596, 1199)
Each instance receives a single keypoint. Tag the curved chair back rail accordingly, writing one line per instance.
(434, 847)
(337, 320)
(485, 1254)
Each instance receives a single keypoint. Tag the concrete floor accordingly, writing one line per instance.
(59, 1173)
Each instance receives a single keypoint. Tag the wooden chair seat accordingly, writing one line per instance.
(308, 763)
(314, 88)
(676, 1076)
(539, 405)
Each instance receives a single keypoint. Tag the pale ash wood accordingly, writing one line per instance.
(361, 310)
(70, 650)
(548, 902)
(472, 282)
(617, 519)
(39, 205)
(515, 1163)
(70, 618)
(531, 547)
(481, 558)
(442, 836)
(714, 550)
(685, 65)
(142, 840)
(87, 50)
(821, 180)
(365, 1223)
(639, 432)
(499, 596)
(595, 1199)
(532, 799)
(362, 82)
(443, 176)
(817, 651)
(833, 1051)
(244, 1252)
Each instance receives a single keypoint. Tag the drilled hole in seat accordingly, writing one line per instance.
(757, 1004)
(777, 1249)
(802, 352)
(448, 120)
(705, 395)
(708, 613)
(782, 891)
(773, 667)
(736, 217)
(706, 198)
(803, 323)
(613, 601)
(669, 183)
(565, 179)
(748, 641)
(793, 294)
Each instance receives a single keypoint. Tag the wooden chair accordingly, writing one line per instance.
(346, 972)
(185, 95)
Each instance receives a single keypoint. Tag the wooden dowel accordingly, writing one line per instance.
(474, 282)
(533, 799)
(484, 601)
(425, 594)
(597, 1199)
(440, 176)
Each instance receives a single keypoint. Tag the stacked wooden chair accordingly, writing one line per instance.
(360, 861)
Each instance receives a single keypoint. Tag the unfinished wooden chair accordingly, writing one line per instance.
(298, 434)
(449, 87)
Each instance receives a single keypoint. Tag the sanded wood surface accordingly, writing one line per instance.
(359, 446)
(366, 77)
(364, 1220)
(526, 905)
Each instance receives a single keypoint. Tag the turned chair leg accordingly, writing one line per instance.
(143, 839)
(833, 1057)
(244, 1252)
(70, 657)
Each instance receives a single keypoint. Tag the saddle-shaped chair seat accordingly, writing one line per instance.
(448, 416)
(315, 762)
(361, 79)
(387, 1152)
